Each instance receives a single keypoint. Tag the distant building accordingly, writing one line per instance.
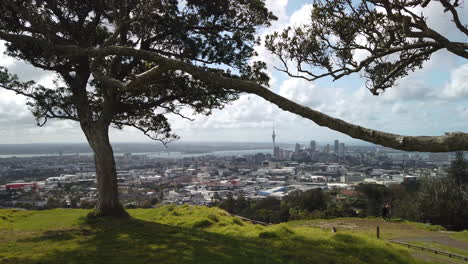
(313, 146)
(337, 143)
(341, 149)
(352, 177)
(20, 185)
(297, 149)
(439, 157)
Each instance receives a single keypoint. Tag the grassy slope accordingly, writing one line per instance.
(461, 235)
(183, 234)
(367, 227)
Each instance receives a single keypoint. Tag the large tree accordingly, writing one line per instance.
(100, 88)
(159, 55)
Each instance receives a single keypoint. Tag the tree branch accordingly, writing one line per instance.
(449, 142)
(456, 18)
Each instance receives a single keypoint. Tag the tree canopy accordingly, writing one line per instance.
(394, 37)
(125, 90)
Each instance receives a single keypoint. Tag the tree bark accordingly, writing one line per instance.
(108, 203)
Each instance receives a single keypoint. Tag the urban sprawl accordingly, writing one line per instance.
(148, 180)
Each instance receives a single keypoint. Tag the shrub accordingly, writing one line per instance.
(213, 218)
(204, 223)
(237, 221)
(267, 234)
(434, 228)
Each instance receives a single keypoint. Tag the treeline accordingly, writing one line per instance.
(436, 200)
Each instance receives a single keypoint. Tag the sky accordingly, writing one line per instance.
(430, 101)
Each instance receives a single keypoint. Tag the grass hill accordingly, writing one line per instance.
(185, 234)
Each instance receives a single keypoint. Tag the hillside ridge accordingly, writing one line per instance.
(179, 234)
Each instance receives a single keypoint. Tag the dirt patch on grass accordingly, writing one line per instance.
(363, 225)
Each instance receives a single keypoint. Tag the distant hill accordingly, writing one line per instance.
(184, 234)
(67, 148)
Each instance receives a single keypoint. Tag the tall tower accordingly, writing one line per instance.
(275, 148)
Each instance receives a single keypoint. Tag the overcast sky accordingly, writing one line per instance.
(430, 101)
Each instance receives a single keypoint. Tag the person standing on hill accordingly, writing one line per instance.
(386, 211)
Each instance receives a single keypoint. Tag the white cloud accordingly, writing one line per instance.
(301, 16)
(4, 60)
(457, 88)
(399, 108)
(303, 92)
(298, 18)
(441, 21)
(408, 88)
(278, 7)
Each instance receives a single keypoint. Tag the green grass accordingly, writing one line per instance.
(184, 234)
(461, 235)
(427, 227)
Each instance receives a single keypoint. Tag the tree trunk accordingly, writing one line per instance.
(106, 174)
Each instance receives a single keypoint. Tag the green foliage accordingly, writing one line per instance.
(280, 232)
(438, 201)
(155, 235)
(213, 218)
(53, 203)
(310, 200)
(202, 223)
(435, 228)
(375, 195)
(269, 210)
(458, 170)
(325, 46)
(443, 202)
(217, 35)
(237, 221)
(296, 205)
(461, 235)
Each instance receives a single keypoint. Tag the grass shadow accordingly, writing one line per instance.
(106, 240)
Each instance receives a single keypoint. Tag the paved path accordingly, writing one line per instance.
(441, 240)
(432, 258)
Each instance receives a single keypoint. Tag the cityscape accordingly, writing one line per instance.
(146, 180)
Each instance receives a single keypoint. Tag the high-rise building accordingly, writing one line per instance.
(337, 143)
(327, 148)
(297, 149)
(341, 149)
(313, 146)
